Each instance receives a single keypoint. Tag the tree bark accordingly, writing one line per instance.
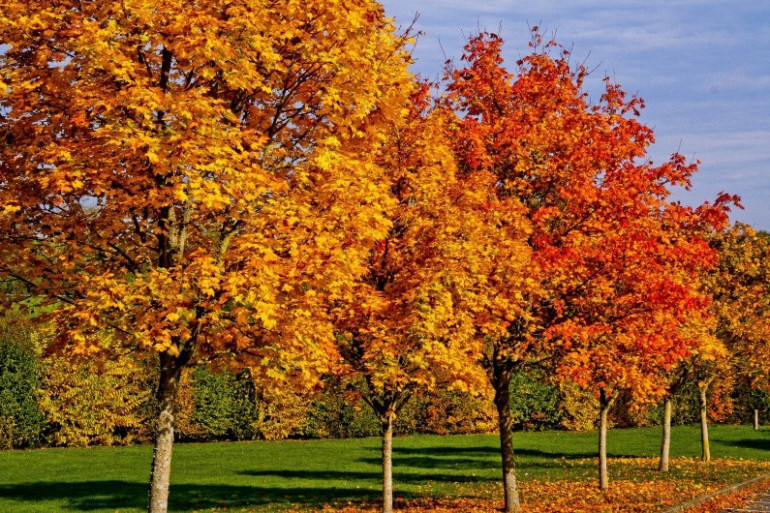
(605, 404)
(665, 447)
(387, 463)
(502, 385)
(756, 419)
(704, 425)
(170, 370)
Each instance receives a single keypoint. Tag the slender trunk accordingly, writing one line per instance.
(170, 370)
(756, 419)
(704, 426)
(387, 464)
(665, 447)
(502, 385)
(604, 477)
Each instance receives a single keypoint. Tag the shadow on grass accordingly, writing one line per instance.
(748, 443)
(112, 495)
(371, 477)
(481, 453)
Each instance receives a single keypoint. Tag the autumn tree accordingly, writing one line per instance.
(191, 179)
(595, 207)
(406, 330)
(626, 331)
(739, 288)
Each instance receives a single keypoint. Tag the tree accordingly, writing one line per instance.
(630, 335)
(575, 168)
(740, 291)
(403, 332)
(194, 179)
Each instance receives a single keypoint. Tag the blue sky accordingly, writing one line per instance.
(702, 66)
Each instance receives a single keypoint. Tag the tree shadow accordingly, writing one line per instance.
(480, 452)
(374, 477)
(114, 495)
(748, 443)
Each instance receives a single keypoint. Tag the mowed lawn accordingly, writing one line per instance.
(272, 476)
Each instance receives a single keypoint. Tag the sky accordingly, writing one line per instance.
(702, 67)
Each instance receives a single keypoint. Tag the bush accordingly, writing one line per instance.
(225, 404)
(580, 408)
(535, 403)
(337, 413)
(22, 423)
(96, 402)
(746, 398)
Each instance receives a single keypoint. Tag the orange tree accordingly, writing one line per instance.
(625, 333)
(595, 209)
(190, 179)
(405, 330)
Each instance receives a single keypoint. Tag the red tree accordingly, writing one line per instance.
(599, 215)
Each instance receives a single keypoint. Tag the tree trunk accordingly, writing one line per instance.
(502, 385)
(605, 404)
(387, 463)
(756, 419)
(704, 426)
(666, 445)
(170, 370)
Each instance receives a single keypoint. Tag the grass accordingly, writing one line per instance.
(274, 476)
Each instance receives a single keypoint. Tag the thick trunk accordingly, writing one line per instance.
(704, 426)
(387, 464)
(170, 369)
(502, 384)
(756, 419)
(604, 477)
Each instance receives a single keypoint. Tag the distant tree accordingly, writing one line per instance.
(740, 291)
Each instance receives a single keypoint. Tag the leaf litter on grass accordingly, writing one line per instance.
(637, 488)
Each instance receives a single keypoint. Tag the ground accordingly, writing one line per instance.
(556, 469)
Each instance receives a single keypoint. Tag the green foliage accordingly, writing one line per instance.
(22, 423)
(337, 413)
(225, 404)
(535, 403)
(217, 404)
(746, 398)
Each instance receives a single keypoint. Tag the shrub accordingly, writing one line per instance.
(580, 408)
(535, 403)
(225, 404)
(95, 402)
(22, 423)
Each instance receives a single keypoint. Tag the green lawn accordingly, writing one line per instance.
(268, 476)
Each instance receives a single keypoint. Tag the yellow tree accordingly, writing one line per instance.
(194, 178)
(740, 291)
(406, 329)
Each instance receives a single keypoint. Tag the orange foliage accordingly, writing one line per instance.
(625, 496)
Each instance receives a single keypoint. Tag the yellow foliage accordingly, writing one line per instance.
(93, 402)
